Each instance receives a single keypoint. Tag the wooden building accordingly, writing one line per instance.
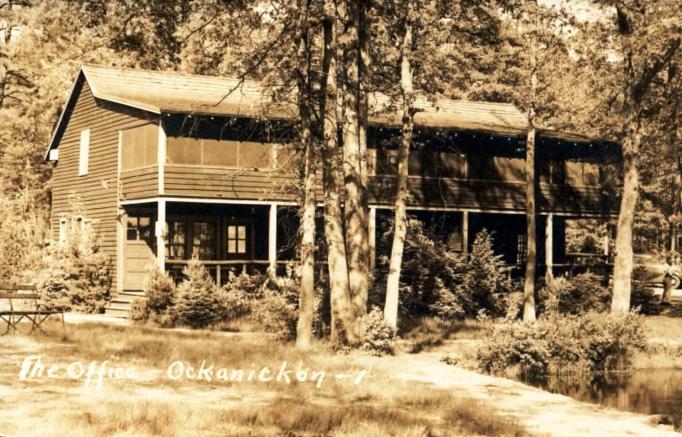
(169, 166)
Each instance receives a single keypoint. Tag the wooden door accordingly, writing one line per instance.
(139, 253)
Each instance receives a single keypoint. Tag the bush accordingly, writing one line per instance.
(577, 295)
(275, 313)
(198, 304)
(77, 272)
(487, 280)
(438, 282)
(377, 336)
(643, 299)
(157, 305)
(271, 303)
(592, 342)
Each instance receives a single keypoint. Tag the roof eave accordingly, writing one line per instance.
(69, 102)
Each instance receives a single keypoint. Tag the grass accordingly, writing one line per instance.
(664, 351)
(379, 406)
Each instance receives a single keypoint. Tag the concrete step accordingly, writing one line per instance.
(120, 303)
(116, 312)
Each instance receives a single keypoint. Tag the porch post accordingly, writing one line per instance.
(465, 232)
(160, 231)
(121, 224)
(372, 238)
(161, 157)
(549, 247)
(272, 240)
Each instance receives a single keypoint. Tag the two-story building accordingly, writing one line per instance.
(169, 166)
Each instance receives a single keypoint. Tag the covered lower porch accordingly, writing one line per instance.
(232, 237)
(228, 238)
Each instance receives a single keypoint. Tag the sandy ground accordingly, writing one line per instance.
(539, 411)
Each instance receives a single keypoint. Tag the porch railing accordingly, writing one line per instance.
(221, 270)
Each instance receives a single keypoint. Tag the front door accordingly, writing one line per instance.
(139, 252)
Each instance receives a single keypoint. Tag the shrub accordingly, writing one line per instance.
(198, 304)
(592, 342)
(487, 280)
(77, 272)
(275, 314)
(271, 303)
(643, 299)
(157, 305)
(436, 281)
(577, 295)
(377, 336)
(159, 291)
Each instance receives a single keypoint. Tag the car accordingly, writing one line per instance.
(656, 269)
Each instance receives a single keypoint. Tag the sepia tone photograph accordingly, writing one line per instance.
(340, 218)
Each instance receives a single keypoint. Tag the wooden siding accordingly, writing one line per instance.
(223, 183)
(216, 183)
(140, 183)
(98, 189)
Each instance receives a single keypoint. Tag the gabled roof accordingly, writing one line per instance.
(168, 92)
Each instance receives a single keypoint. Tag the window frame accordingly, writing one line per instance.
(84, 152)
(121, 148)
(273, 148)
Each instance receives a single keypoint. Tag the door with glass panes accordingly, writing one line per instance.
(138, 252)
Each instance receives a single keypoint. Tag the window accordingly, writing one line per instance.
(177, 236)
(580, 173)
(497, 168)
(222, 153)
(521, 243)
(236, 239)
(437, 164)
(62, 230)
(84, 152)
(139, 146)
(204, 240)
(384, 161)
(139, 228)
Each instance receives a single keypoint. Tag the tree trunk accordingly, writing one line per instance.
(361, 297)
(531, 234)
(342, 325)
(304, 332)
(623, 260)
(356, 213)
(531, 231)
(400, 218)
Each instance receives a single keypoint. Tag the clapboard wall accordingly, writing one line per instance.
(98, 190)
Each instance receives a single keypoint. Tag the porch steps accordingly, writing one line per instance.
(120, 304)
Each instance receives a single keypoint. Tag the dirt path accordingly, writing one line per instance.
(539, 411)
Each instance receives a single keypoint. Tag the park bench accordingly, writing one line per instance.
(31, 312)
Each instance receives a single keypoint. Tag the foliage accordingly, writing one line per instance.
(77, 273)
(276, 314)
(487, 280)
(643, 298)
(590, 342)
(198, 304)
(159, 299)
(376, 335)
(271, 303)
(436, 281)
(576, 295)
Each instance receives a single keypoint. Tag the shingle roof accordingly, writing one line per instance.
(169, 92)
(161, 92)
